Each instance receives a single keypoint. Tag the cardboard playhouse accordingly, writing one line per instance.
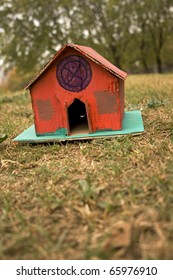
(79, 95)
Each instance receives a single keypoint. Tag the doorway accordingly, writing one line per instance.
(77, 117)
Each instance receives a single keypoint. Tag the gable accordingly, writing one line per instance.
(89, 53)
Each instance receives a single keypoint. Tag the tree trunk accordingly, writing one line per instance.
(117, 58)
(144, 64)
(159, 64)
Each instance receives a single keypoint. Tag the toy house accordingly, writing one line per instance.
(77, 92)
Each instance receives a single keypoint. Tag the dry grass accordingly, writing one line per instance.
(100, 199)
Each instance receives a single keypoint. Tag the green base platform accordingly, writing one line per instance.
(132, 124)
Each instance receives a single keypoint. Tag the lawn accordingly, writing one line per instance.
(100, 199)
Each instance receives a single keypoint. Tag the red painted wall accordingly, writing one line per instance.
(102, 96)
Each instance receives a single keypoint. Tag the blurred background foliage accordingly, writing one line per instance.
(135, 35)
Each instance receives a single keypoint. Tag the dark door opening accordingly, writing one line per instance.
(77, 116)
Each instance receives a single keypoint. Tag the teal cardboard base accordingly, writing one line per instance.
(132, 124)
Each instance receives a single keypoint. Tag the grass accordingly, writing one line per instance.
(100, 199)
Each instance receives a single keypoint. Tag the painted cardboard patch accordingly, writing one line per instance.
(45, 110)
(106, 102)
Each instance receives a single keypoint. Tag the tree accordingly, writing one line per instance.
(126, 32)
(152, 25)
(33, 30)
(106, 24)
(160, 17)
(38, 28)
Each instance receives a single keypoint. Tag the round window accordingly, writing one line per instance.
(74, 73)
